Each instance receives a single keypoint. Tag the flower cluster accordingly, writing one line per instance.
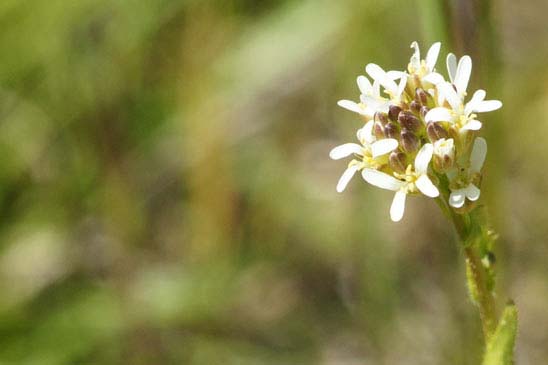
(420, 132)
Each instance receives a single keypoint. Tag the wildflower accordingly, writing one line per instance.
(371, 100)
(414, 118)
(388, 81)
(463, 186)
(418, 116)
(372, 153)
(425, 69)
(414, 180)
(366, 89)
(459, 74)
(458, 114)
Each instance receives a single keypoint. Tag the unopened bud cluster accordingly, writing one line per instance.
(418, 131)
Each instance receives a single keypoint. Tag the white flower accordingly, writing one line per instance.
(459, 74)
(444, 147)
(414, 180)
(371, 100)
(425, 68)
(470, 191)
(388, 81)
(372, 153)
(460, 114)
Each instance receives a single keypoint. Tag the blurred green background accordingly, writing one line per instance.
(166, 195)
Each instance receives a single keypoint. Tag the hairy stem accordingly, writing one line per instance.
(476, 242)
(484, 298)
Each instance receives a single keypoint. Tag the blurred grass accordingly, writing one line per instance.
(166, 196)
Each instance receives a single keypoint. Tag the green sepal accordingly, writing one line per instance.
(500, 347)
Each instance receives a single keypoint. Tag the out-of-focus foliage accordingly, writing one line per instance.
(166, 195)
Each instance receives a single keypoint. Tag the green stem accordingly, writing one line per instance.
(476, 243)
(484, 297)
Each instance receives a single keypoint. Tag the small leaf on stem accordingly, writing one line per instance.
(500, 349)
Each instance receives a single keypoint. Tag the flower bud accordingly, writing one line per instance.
(444, 154)
(398, 162)
(393, 112)
(421, 96)
(380, 117)
(392, 130)
(415, 107)
(409, 141)
(409, 121)
(378, 130)
(424, 110)
(435, 131)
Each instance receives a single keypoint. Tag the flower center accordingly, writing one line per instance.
(409, 177)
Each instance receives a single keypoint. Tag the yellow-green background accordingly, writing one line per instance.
(166, 195)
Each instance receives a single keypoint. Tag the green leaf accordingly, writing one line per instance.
(500, 348)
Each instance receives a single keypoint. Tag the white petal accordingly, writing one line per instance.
(346, 176)
(464, 69)
(450, 95)
(365, 134)
(401, 87)
(488, 106)
(432, 55)
(416, 57)
(444, 147)
(383, 107)
(472, 125)
(478, 97)
(345, 150)
(472, 192)
(456, 199)
(376, 72)
(364, 85)
(424, 184)
(477, 157)
(451, 66)
(383, 146)
(433, 78)
(381, 180)
(423, 158)
(398, 206)
(438, 115)
(395, 75)
(376, 88)
(350, 105)
(375, 103)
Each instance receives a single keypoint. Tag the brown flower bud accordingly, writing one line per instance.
(378, 130)
(421, 96)
(393, 112)
(435, 131)
(442, 163)
(409, 121)
(415, 107)
(444, 154)
(381, 117)
(409, 141)
(398, 162)
(392, 130)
